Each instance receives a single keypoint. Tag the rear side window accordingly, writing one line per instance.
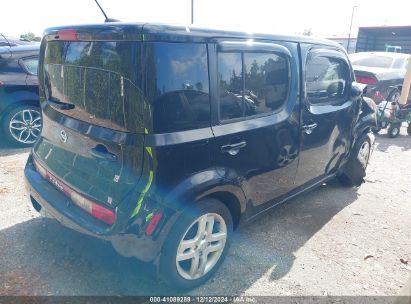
(177, 86)
(252, 84)
(326, 80)
(31, 65)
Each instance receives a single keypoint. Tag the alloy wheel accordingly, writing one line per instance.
(25, 126)
(364, 153)
(201, 246)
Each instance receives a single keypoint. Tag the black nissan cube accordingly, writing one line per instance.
(163, 139)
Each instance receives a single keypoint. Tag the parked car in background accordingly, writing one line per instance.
(163, 139)
(20, 115)
(12, 41)
(383, 72)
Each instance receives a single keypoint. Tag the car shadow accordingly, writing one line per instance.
(7, 149)
(63, 262)
(266, 246)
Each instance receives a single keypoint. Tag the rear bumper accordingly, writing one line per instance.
(52, 203)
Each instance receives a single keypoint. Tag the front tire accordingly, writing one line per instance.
(196, 245)
(393, 130)
(354, 171)
(22, 125)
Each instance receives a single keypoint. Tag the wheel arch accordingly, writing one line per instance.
(232, 203)
(210, 184)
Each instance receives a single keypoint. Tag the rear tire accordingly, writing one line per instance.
(190, 255)
(354, 170)
(22, 125)
(409, 128)
(393, 130)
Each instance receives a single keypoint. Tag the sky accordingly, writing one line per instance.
(324, 18)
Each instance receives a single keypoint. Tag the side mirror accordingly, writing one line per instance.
(357, 90)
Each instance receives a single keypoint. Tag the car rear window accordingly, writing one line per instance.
(102, 79)
(400, 63)
(372, 61)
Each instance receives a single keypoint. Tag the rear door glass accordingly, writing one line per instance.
(252, 84)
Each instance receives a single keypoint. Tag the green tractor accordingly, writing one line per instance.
(391, 115)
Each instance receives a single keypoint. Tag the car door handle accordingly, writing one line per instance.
(233, 149)
(102, 153)
(308, 129)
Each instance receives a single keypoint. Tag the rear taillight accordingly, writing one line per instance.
(103, 214)
(153, 223)
(67, 35)
(366, 80)
(378, 96)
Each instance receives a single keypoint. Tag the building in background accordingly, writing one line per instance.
(344, 42)
(384, 38)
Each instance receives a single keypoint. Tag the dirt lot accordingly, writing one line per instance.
(332, 241)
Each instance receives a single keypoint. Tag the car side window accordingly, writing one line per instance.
(326, 80)
(252, 84)
(177, 86)
(230, 85)
(31, 65)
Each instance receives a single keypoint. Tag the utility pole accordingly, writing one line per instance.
(349, 33)
(406, 85)
(192, 11)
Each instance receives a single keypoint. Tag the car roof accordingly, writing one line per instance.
(209, 33)
(25, 48)
(386, 54)
(178, 33)
(19, 51)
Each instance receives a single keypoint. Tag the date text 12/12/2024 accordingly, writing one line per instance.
(204, 299)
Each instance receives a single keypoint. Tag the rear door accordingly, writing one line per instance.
(256, 117)
(92, 101)
(327, 113)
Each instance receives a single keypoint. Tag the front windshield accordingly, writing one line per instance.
(372, 61)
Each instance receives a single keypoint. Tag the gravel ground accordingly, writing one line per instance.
(332, 241)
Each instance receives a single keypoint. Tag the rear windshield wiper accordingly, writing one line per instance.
(61, 105)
